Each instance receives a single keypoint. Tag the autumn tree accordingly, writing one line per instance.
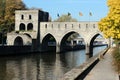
(65, 18)
(110, 25)
(11, 6)
(2, 13)
(2, 8)
(7, 16)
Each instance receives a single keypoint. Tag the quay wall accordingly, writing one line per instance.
(8, 50)
(80, 72)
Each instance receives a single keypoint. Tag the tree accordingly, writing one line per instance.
(11, 6)
(2, 8)
(110, 25)
(65, 18)
(7, 16)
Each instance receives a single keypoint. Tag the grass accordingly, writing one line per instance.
(116, 58)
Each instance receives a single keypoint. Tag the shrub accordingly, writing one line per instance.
(116, 58)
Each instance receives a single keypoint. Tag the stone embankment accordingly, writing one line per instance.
(104, 70)
(14, 50)
(79, 73)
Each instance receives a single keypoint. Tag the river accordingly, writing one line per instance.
(45, 66)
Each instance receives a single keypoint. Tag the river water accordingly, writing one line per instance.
(45, 66)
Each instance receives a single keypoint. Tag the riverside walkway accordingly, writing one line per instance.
(104, 69)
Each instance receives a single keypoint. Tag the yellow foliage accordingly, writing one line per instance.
(110, 25)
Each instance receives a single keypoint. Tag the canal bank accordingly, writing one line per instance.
(104, 70)
(79, 73)
(21, 50)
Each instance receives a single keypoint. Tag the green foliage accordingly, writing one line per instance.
(110, 25)
(65, 18)
(2, 8)
(116, 56)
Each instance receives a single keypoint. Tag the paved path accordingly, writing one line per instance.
(104, 69)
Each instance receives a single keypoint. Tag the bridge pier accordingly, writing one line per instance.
(87, 47)
(57, 47)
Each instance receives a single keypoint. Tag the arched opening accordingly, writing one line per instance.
(97, 41)
(22, 27)
(72, 41)
(30, 26)
(49, 43)
(18, 41)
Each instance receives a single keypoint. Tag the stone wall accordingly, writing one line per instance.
(12, 36)
(23, 16)
(9, 50)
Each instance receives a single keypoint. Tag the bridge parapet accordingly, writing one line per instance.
(82, 26)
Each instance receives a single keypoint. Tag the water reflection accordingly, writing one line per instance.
(21, 68)
(47, 66)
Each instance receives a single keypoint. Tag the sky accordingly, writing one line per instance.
(98, 8)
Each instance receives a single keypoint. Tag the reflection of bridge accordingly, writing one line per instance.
(32, 28)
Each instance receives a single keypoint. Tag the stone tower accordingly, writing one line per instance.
(27, 28)
(26, 20)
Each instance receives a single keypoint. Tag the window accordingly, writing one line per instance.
(79, 25)
(30, 17)
(72, 25)
(86, 25)
(22, 17)
(58, 25)
(45, 25)
(65, 25)
(93, 25)
(52, 25)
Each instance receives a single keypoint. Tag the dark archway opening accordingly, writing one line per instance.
(18, 41)
(30, 26)
(49, 43)
(22, 27)
(96, 41)
(72, 41)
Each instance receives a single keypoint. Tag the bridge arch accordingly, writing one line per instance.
(48, 43)
(18, 41)
(22, 27)
(65, 44)
(93, 37)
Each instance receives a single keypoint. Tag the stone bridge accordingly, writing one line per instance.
(31, 30)
(60, 31)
